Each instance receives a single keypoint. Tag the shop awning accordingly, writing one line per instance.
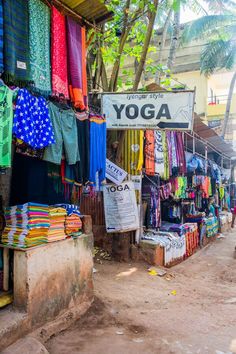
(213, 140)
(94, 11)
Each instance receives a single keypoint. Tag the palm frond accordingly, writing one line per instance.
(206, 26)
(218, 54)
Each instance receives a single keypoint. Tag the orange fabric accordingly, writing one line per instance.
(149, 152)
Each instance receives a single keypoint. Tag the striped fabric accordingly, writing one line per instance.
(16, 40)
(1, 37)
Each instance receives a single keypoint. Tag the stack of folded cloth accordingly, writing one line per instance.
(57, 216)
(26, 225)
(73, 225)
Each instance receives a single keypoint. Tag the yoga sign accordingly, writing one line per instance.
(149, 110)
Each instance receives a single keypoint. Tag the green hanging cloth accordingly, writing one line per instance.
(16, 41)
(6, 119)
(39, 40)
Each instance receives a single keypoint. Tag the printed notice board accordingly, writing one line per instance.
(121, 211)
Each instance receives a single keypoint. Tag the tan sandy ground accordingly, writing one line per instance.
(135, 312)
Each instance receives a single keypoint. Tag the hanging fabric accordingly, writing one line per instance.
(32, 122)
(159, 154)
(6, 118)
(59, 54)
(16, 40)
(97, 149)
(39, 25)
(83, 142)
(149, 152)
(166, 175)
(77, 63)
(181, 153)
(1, 37)
(133, 152)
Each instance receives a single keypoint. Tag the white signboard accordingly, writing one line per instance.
(121, 211)
(162, 110)
(114, 173)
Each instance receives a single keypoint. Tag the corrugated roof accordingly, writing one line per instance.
(94, 11)
(215, 141)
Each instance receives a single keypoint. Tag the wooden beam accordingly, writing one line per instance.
(73, 13)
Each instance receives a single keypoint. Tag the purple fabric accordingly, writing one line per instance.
(74, 43)
(181, 153)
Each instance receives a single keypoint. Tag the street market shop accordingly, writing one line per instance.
(177, 192)
(48, 156)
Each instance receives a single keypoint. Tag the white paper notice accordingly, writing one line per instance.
(121, 211)
(114, 173)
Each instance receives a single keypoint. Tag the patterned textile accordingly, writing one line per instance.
(26, 225)
(77, 63)
(32, 122)
(6, 118)
(166, 175)
(59, 53)
(1, 37)
(39, 39)
(132, 154)
(16, 40)
(159, 154)
(149, 152)
(180, 153)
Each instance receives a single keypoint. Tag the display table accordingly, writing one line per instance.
(51, 278)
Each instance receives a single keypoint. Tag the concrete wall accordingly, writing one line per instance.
(54, 278)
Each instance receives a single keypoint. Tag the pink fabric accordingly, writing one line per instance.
(59, 54)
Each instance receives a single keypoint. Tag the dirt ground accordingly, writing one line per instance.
(135, 312)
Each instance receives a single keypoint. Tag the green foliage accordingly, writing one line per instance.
(219, 32)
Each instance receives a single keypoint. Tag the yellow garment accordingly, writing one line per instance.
(222, 192)
(132, 154)
(141, 157)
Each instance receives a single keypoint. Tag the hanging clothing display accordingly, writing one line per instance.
(166, 174)
(159, 154)
(16, 40)
(180, 153)
(32, 122)
(82, 122)
(132, 153)
(59, 53)
(1, 38)
(149, 152)
(97, 149)
(39, 41)
(6, 118)
(77, 63)
(65, 130)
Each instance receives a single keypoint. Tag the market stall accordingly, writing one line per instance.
(52, 148)
(184, 192)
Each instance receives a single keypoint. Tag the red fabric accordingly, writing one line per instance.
(59, 53)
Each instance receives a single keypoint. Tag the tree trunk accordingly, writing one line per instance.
(162, 44)
(174, 41)
(152, 16)
(228, 106)
(123, 38)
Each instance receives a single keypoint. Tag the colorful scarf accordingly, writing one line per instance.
(132, 155)
(39, 24)
(181, 153)
(16, 40)
(159, 154)
(59, 53)
(77, 63)
(1, 37)
(149, 153)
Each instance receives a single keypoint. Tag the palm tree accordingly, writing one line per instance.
(220, 49)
